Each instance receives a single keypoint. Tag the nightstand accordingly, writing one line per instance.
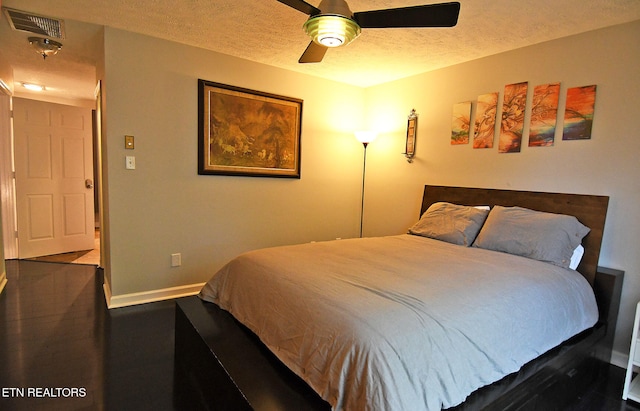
(632, 386)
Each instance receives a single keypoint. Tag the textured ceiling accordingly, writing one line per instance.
(269, 32)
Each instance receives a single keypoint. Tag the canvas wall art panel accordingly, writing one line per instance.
(247, 133)
(578, 113)
(485, 122)
(544, 114)
(460, 123)
(512, 121)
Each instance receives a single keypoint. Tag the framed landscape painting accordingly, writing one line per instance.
(247, 133)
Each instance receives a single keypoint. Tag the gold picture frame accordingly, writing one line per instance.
(245, 132)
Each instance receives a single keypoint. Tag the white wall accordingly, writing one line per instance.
(607, 164)
(165, 207)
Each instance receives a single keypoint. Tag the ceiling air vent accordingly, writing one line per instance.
(32, 23)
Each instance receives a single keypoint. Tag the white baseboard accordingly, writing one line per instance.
(3, 281)
(619, 359)
(125, 300)
(106, 287)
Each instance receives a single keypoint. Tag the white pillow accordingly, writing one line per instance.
(576, 257)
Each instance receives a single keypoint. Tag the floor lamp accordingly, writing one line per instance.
(365, 137)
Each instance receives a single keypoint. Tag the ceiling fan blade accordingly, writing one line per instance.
(302, 6)
(313, 54)
(430, 15)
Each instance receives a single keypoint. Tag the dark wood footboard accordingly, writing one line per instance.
(221, 365)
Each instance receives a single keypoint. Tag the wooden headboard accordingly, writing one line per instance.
(590, 210)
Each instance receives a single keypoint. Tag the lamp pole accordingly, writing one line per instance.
(365, 137)
(364, 170)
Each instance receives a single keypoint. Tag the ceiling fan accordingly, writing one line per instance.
(332, 24)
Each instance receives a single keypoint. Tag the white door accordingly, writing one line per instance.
(54, 178)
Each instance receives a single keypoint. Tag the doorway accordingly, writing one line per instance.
(53, 147)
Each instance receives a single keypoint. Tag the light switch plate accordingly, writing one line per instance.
(129, 142)
(130, 163)
(176, 260)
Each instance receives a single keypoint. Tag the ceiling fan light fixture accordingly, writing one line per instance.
(45, 47)
(331, 30)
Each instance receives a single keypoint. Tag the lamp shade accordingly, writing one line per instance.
(366, 136)
(331, 31)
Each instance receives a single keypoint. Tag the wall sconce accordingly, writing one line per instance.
(412, 132)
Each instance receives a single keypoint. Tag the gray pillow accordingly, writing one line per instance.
(452, 223)
(534, 234)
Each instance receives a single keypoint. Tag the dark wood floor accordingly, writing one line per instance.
(61, 349)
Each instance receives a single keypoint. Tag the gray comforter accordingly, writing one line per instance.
(401, 322)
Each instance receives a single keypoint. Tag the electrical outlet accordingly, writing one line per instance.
(176, 260)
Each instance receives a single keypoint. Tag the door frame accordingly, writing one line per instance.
(98, 171)
(7, 176)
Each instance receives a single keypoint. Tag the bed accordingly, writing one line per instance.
(404, 322)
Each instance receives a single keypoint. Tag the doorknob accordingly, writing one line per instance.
(88, 183)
